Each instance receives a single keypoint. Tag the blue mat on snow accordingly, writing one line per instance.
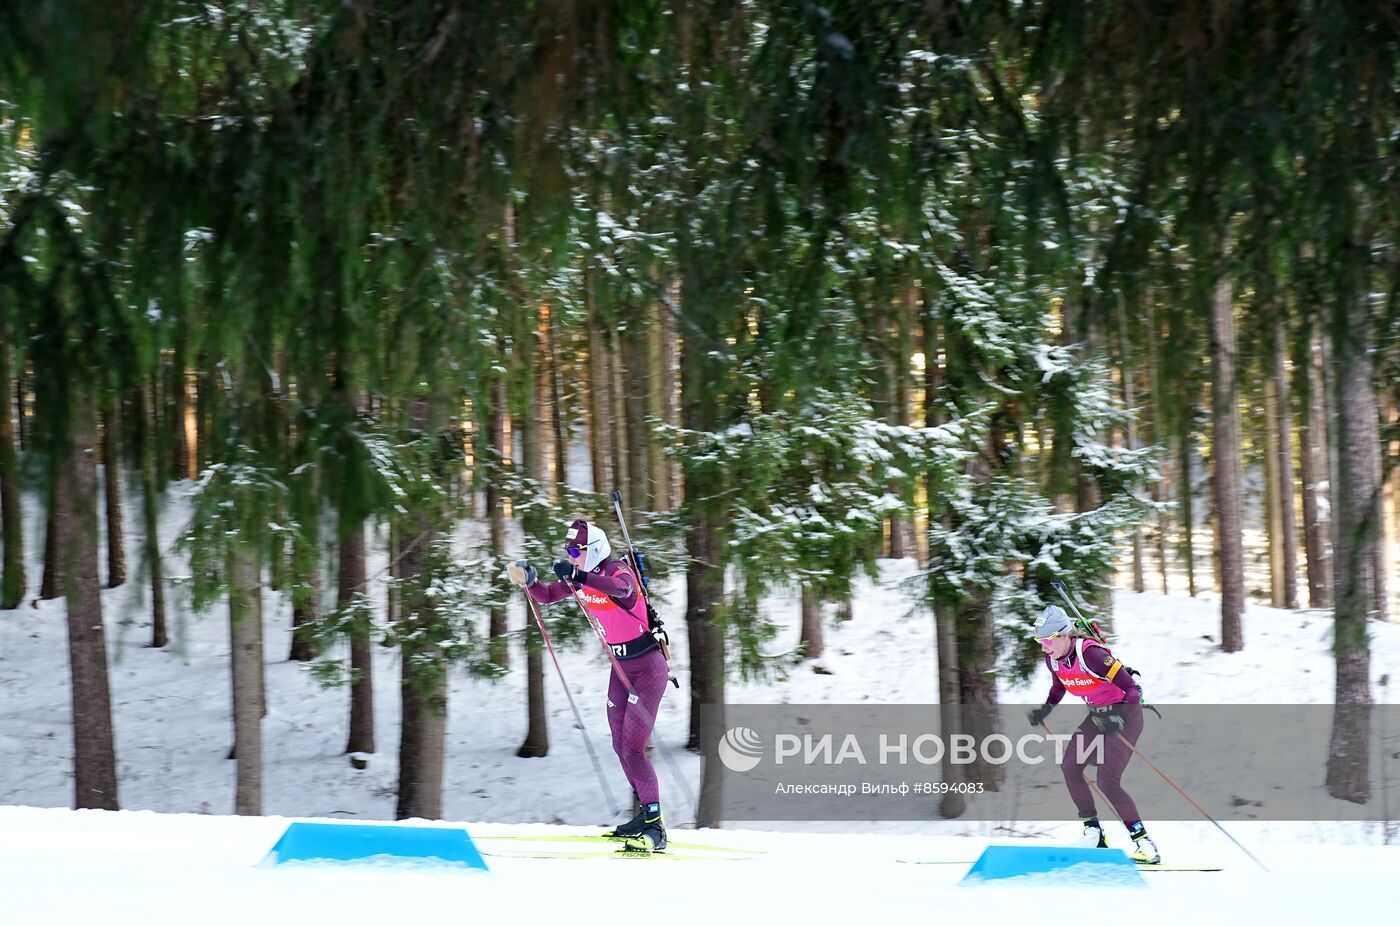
(1099, 865)
(348, 842)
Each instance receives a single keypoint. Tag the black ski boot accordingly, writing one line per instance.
(629, 830)
(651, 837)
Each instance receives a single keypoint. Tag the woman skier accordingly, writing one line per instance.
(1086, 668)
(608, 589)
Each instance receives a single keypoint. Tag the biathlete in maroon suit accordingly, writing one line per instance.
(1086, 668)
(613, 597)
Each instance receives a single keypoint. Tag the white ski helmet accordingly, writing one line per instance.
(1053, 621)
(590, 539)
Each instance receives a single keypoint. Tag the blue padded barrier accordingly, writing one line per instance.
(1107, 866)
(345, 842)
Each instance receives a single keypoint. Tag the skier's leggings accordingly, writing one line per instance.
(1082, 752)
(631, 723)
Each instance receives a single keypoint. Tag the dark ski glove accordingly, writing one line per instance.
(568, 572)
(1106, 718)
(1037, 716)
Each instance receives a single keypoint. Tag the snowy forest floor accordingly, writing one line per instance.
(173, 731)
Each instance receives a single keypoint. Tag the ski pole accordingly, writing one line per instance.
(1084, 622)
(578, 718)
(627, 536)
(1198, 807)
(633, 698)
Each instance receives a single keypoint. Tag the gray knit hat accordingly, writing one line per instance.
(1053, 621)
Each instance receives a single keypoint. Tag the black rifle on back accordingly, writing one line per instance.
(639, 567)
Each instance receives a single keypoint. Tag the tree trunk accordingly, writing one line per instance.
(1267, 441)
(1226, 465)
(1316, 483)
(599, 407)
(146, 413)
(423, 685)
(637, 437)
(901, 526)
(975, 626)
(1185, 500)
(1160, 429)
(112, 492)
(496, 515)
(657, 392)
(1357, 530)
(618, 434)
(21, 423)
(704, 603)
(179, 411)
(534, 523)
(945, 629)
(245, 640)
(556, 408)
(1126, 373)
(204, 410)
(1284, 430)
(306, 597)
(670, 386)
(350, 587)
(12, 579)
(810, 643)
(51, 586)
(94, 749)
(702, 377)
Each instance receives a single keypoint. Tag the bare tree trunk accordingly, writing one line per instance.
(496, 514)
(1160, 430)
(51, 586)
(146, 416)
(180, 452)
(306, 565)
(556, 408)
(658, 386)
(1185, 501)
(245, 638)
(12, 579)
(205, 408)
(533, 522)
(1356, 520)
(945, 629)
(306, 601)
(112, 492)
(1226, 459)
(618, 434)
(1126, 372)
(670, 387)
(635, 379)
(600, 408)
(1284, 430)
(536, 743)
(902, 541)
(21, 422)
(810, 643)
(704, 603)
(350, 588)
(423, 685)
(1316, 507)
(1268, 441)
(94, 750)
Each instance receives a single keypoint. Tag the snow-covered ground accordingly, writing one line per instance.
(175, 855)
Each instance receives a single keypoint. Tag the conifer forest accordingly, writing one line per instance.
(1023, 290)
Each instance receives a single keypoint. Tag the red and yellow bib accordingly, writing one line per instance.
(1078, 680)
